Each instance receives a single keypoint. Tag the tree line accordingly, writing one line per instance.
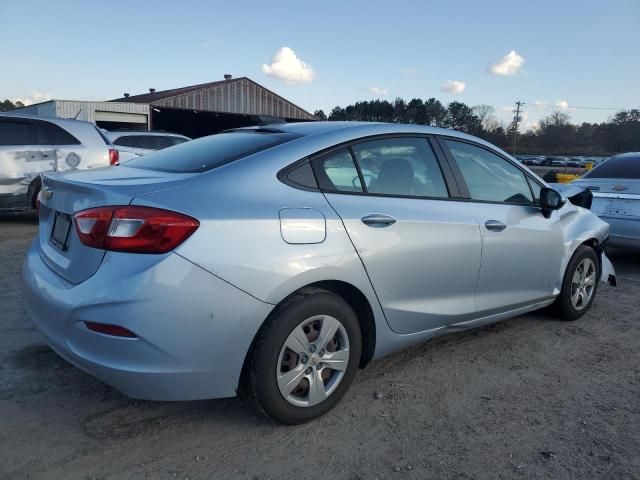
(8, 105)
(555, 134)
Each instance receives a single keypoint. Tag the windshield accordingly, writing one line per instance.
(210, 152)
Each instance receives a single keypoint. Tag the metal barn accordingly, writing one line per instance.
(195, 111)
(208, 108)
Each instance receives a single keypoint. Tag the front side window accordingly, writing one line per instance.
(488, 176)
(336, 172)
(536, 188)
(400, 166)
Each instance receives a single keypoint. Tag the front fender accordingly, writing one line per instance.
(579, 226)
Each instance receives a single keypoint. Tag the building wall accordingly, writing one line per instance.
(242, 97)
(45, 109)
(85, 110)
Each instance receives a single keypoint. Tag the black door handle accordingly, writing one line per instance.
(378, 220)
(494, 225)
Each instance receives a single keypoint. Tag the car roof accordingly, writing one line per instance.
(59, 121)
(307, 129)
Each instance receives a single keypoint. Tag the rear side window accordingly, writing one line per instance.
(336, 172)
(58, 135)
(210, 152)
(621, 166)
(490, 177)
(18, 133)
(400, 166)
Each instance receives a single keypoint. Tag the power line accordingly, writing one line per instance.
(570, 107)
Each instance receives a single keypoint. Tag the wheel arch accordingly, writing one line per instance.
(32, 191)
(356, 299)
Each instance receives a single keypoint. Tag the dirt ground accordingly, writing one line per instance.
(526, 398)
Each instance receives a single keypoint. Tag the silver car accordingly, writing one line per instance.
(282, 259)
(31, 145)
(615, 185)
(132, 144)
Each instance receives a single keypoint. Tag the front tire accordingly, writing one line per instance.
(305, 356)
(579, 285)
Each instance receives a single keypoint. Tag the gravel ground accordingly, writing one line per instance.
(526, 398)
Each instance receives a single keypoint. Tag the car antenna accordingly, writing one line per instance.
(76, 117)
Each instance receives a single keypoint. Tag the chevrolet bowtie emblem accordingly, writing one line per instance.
(47, 192)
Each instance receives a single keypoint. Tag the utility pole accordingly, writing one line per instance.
(516, 119)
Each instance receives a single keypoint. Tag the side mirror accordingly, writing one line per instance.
(550, 200)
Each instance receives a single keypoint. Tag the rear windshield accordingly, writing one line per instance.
(621, 166)
(210, 152)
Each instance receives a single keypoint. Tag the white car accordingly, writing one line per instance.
(31, 145)
(132, 144)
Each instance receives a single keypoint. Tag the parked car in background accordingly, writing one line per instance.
(615, 185)
(31, 145)
(532, 161)
(287, 257)
(132, 144)
(558, 162)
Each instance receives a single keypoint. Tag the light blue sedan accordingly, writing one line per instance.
(283, 258)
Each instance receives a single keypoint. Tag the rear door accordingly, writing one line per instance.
(24, 154)
(420, 249)
(521, 249)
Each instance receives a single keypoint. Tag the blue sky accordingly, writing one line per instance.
(573, 53)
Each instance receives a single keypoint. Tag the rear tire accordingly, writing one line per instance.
(305, 356)
(579, 285)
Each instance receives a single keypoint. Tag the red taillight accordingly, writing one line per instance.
(108, 329)
(133, 229)
(114, 156)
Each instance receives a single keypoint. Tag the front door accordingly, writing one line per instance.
(420, 249)
(521, 249)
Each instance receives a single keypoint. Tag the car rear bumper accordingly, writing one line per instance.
(193, 330)
(623, 232)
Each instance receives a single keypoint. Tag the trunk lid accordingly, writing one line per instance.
(614, 197)
(64, 194)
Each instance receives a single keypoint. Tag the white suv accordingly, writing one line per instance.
(31, 145)
(132, 144)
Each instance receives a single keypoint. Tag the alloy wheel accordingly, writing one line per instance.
(583, 284)
(313, 361)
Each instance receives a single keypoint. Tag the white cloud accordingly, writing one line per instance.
(35, 97)
(380, 92)
(286, 66)
(453, 86)
(409, 72)
(510, 64)
(561, 104)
